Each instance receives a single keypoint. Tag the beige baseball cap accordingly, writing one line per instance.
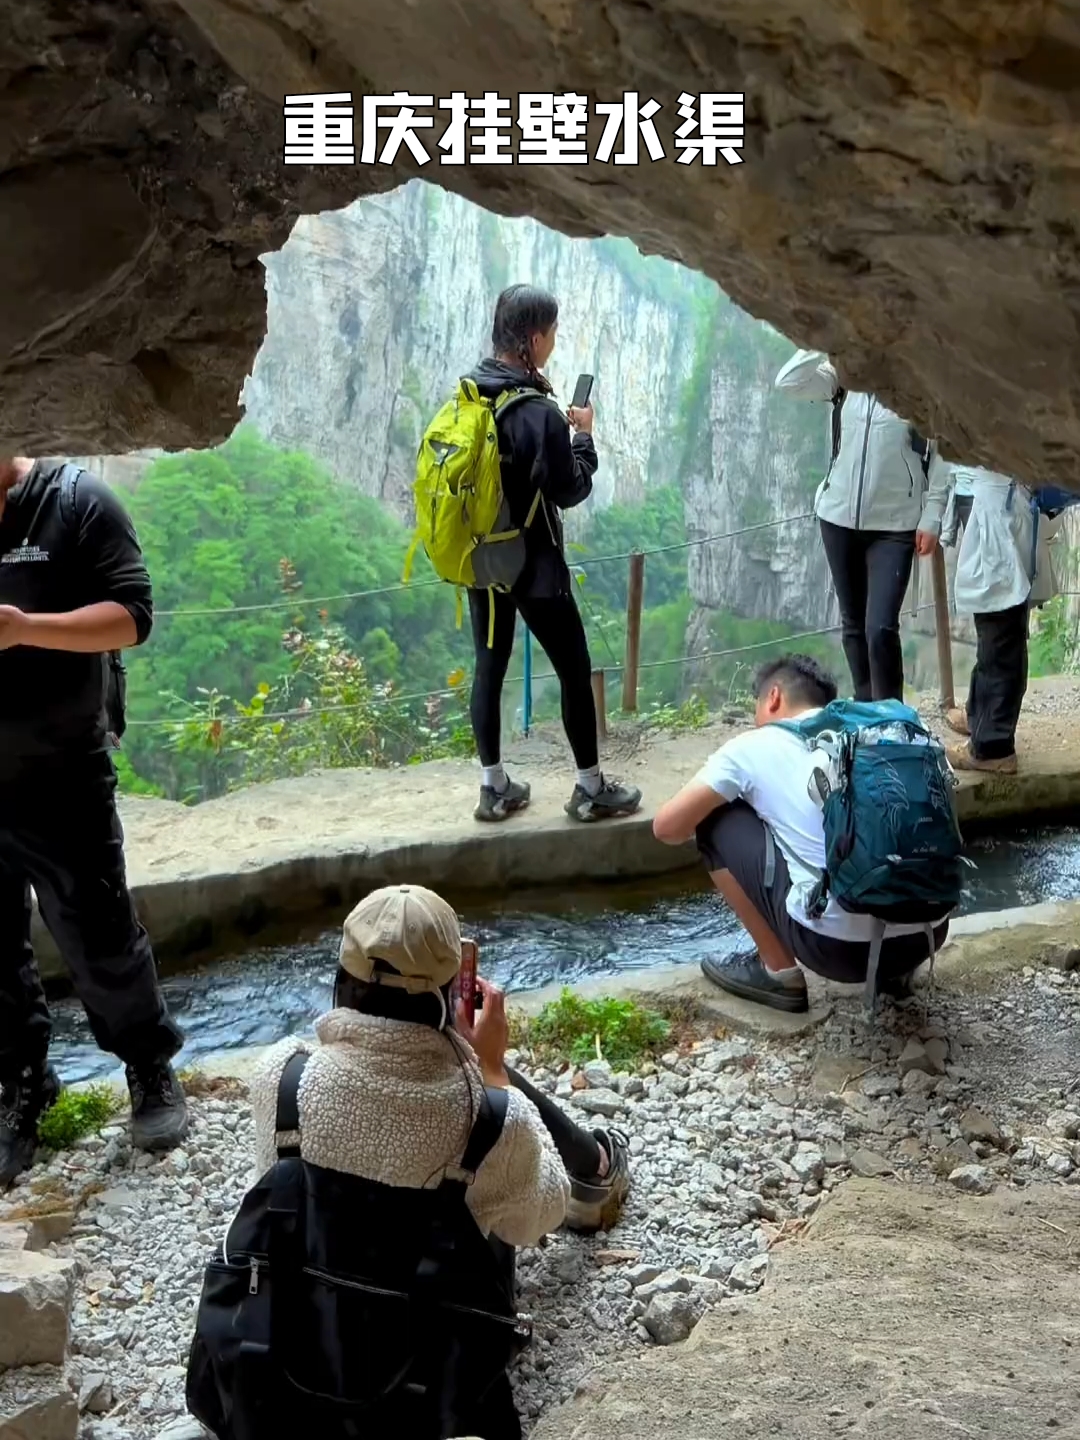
(409, 928)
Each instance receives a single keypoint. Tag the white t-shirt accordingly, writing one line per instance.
(770, 769)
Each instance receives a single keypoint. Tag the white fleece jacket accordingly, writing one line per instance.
(393, 1102)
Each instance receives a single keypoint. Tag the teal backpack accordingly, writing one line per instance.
(892, 842)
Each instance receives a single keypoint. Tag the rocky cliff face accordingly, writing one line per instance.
(374, 311)
(906, 201)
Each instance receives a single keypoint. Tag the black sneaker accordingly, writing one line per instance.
(610, 800)
(21, 1107)
(595, 1203)
(744, 975)
(499, 804)
(159, 1114)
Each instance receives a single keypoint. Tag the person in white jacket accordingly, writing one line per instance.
(391, 1088)
(880, 503)
(1003, 568)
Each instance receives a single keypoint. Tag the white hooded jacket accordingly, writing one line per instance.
(394, 1102)
(994, 566)
(877, 481)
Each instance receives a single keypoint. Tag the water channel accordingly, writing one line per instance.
(533, 939)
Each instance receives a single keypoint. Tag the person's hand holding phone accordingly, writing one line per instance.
(581, 418)
(489, 1032)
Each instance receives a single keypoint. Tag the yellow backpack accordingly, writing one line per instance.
(462, 516)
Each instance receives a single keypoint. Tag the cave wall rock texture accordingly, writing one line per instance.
(908, 200)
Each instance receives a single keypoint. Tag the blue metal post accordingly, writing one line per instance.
(527, 683)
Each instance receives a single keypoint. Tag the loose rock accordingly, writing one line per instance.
(670, 1318)
(972, 1179)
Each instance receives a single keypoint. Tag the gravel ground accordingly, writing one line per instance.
(734, 1144)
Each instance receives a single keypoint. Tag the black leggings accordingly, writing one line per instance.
(579, 1149)
(871, 570)
(557, 627)
(998, 681)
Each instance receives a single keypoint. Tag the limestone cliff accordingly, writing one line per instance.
(375, 310)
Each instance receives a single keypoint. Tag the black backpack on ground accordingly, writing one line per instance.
(115, 672)
(340, 1307)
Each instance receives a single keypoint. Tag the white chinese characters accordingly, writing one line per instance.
(536, 128)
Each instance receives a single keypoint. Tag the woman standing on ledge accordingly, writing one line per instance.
(537, 457)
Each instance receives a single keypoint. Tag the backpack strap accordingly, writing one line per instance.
(287, 1119)
(484, 1135)
(68, 479)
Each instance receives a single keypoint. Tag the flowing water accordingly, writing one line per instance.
(535, 939)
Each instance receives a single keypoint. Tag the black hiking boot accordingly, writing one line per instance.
(745, 975)
(24, 1102)
(595, 1203)
(501, 804)
(610, 800)
(159, 1114)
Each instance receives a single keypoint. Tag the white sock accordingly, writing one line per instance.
(590, 780)
(494, 777)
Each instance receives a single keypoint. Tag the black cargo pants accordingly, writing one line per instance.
(60, 833)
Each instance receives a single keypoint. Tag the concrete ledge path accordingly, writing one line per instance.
(222, 872)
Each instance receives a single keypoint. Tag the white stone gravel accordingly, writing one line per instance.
(735, 1144)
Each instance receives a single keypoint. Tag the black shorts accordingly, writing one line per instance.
(733, 838)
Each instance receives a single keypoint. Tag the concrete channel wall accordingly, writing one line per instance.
(272, 857)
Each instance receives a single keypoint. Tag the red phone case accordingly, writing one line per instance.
(466, 983)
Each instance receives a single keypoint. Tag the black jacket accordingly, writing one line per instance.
(53, 701)
(537, 454)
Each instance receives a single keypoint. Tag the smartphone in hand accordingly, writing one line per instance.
(464, 987)
(582, 391)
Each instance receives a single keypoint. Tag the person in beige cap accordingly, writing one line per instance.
(393, 1083)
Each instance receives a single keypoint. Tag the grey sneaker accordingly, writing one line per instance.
(745, 975)
(610, 800)
(500, 804)
(595, 1204)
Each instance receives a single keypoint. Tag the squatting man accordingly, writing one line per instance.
(73, 589)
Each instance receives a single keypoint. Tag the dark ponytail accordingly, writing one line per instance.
(520, 312)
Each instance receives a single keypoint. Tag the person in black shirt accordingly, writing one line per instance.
(73, 587)
(537, 455)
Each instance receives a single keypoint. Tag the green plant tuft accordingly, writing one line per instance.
(570, 1029)
(75, 1114)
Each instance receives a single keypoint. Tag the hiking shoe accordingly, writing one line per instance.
(21, 1107)
(595, 1203)
(610, 800)
(745, 975)
(500, 804)
(956, 719)
(159, 1114)
(961, 758)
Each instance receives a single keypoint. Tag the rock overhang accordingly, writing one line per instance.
(906, 200)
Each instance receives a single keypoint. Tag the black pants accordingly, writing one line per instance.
(998, 682)
(733, 838)
(871, 570)
(60, 833)
(557, 627)
(579, 1149)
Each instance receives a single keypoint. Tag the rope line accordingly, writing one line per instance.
(324, 600)
(542, 675)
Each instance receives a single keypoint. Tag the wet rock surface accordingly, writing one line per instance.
(896, 204)
(738, 1146)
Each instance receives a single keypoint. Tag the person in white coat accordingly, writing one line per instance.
(392, 1088)
(880, 503)
(1002, 570)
